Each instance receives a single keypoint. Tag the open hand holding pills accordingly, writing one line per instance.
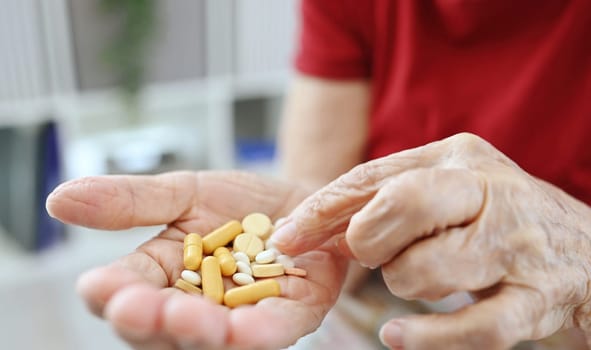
(242, 251)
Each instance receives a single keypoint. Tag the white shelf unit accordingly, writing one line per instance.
(246, 52)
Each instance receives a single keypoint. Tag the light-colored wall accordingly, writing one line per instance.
(177, 51)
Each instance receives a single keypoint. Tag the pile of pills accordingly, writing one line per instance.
(240, 251)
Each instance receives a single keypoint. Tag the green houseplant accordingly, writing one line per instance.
(126, 53)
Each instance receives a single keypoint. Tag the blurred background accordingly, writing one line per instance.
(120, 86)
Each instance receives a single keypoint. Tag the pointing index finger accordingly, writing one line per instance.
(328, 211)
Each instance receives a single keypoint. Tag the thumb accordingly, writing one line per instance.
(498, 322)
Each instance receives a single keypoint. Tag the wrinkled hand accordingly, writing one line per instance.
(452, 216)
(130, 294)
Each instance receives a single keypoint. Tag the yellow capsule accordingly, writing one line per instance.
(187, 287)
(252, 293)
(211, 279)
(192, 238)
(192, 253)
(221, 236)
(227, 261)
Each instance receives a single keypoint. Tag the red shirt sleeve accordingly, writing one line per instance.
(330, 45)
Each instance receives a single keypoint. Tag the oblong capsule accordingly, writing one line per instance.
(193, 251)
(221, 236)
(212, 283)
(252, 293)
(227, 262)
(192, 238)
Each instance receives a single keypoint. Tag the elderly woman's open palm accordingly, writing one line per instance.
(131, 293)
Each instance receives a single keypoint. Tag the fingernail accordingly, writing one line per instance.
(391, 335)
(284, 234)
(371, 267)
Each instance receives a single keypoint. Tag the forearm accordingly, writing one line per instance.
(323, 131)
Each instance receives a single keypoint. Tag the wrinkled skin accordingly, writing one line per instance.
(132, 292)
(454, 216)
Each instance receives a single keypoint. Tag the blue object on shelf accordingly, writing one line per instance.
(49, 231)
(249, 150)
(31, 170)
(256, 154)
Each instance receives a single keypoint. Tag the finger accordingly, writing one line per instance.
(120, 202)
(195, 321)
(328, 211)
(277, 322)
(446, 263)
(97, 286)
(148, 318)
(412, 206)
(135, 313)
(512, 315)
(154, 343)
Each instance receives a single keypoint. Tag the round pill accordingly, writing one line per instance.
(241, 256)
(191, 277)
(258, 224)
(248, 243)
(242, 279)
(243, 267)
(265, 257)
(285, 260)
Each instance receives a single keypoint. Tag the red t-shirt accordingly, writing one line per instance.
(517, 73)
